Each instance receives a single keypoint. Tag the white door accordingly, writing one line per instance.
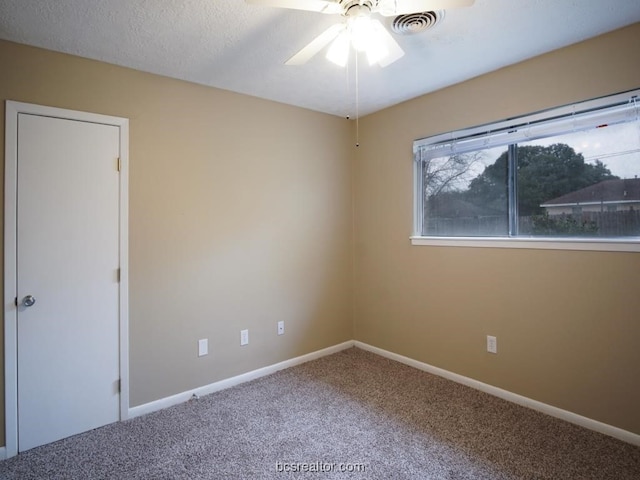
(67, 264)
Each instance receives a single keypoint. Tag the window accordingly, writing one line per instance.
(567, 173)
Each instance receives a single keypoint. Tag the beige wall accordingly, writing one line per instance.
(240, 216)
(567, 323)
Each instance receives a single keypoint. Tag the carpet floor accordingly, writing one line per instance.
(349, 415)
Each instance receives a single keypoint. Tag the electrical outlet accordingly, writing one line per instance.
(244, 337)
(492, 344)
(203, 347)
(281, 327)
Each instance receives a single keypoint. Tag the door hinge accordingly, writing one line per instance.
(118, 275)
(119, 386)
(15, 301)
(119, 164)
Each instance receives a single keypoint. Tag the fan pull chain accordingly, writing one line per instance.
(357, 104)
(348, 89)
(357, 92)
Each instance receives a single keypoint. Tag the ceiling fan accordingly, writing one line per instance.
(358, 28)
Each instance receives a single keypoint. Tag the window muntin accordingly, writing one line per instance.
(569, 172)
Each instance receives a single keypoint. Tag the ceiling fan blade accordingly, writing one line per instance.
(393, 50)
(317, 44)
(391, 8)
(322, 6)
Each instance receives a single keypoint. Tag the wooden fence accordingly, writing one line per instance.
(599, 224)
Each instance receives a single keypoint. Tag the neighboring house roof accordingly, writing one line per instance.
(608, 191)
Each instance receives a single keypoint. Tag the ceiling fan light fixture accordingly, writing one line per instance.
(374, 55)
(338, 52)
(362, 32)
(377, 50)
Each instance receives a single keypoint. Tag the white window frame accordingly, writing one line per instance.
(542, 124)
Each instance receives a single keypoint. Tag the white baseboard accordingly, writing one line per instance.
(566, 415)
(230, 382)
(570, 417)
(3, 453)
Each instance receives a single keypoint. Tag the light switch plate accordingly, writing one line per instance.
(203, 347)
(492, 344)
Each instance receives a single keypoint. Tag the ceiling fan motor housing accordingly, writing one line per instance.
(352, 8)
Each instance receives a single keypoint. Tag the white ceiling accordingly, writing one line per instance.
(234, 46)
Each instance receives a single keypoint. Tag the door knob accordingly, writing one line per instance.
(29, 300)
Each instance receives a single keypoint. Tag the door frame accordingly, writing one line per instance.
(12, 109)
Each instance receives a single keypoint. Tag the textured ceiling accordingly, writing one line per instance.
(231, 45)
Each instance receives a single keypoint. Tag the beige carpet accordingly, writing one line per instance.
(350, 415)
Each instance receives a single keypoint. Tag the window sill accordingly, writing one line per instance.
(631, 244)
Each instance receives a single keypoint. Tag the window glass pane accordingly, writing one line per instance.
(581, 184)
(565, 172)
(466, 194)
